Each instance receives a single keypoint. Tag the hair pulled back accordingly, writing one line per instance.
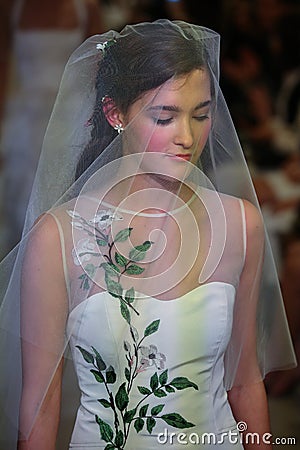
(140, 58)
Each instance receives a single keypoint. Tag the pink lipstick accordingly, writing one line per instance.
(185, 156)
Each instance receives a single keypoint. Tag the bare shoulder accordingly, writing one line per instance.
(45, 225)
(254, 221)
(44, 239)
(252, 212)
(247, 211)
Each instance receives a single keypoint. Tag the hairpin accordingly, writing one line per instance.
(105, 45)
(105, 99)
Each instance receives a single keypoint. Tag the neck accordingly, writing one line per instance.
(150, 194)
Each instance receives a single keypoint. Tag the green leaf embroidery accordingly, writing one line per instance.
(159, 393)
(90, 269)
(159, 384)
(138, 424)
(104, 402)
(99, 361)
(150, 424)
(130, 295)
(145, 246)
(114, 288)
(119, 439)
(98, 376)
(122, 397)
(156, 410)
(80, 255)
(163, 377)
(110, 375)
(125, 311)
(85, 284)
(152, 328)
(120, 259)
(110, 269)
(105, 430)
(88, 357)
(134, 333)
(143, 410)
(109, 447)
(133, 269)
(129, 415)
(122, 235)
(127, 374)
(138, 253)
(176, 420)
(169, 389)
(126, 346)
(180, 383)
(154, 381)
(101, 242)
(143, 390)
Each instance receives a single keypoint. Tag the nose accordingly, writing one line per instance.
(184, 134)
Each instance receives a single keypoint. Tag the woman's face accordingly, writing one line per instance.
(173, 120)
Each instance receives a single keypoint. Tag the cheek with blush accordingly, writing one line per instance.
(203, 137)
(159, 141)
(147, 137)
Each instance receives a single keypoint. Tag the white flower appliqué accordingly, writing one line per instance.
(83, 251)
(104, 218)
(151, 357)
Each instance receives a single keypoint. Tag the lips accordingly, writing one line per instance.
(181, 156)
(185, 156)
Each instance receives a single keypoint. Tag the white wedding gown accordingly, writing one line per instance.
(147, 382)
(193, 334)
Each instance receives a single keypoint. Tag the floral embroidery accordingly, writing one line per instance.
(104, 219)
(139, 415)
(138, 356)
(151, 357)
(84, 250)
(97, 229)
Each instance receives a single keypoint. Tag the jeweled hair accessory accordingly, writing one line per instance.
(105, 45)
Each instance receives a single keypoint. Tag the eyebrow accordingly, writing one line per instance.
(174, 108)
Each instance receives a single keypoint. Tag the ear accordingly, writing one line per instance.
(111, 111)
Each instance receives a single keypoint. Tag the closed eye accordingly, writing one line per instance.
(162, 121)
(202, 117)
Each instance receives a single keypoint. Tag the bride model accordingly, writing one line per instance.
(142, 258)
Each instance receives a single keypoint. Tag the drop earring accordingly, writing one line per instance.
(119, 128)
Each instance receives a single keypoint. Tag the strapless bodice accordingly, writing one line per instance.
(176, 350)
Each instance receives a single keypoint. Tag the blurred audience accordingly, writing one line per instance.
(261, 68)
(280, 383)
(116, 13)
(149, 10)
(37, 38)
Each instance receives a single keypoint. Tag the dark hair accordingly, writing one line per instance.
(141, 58)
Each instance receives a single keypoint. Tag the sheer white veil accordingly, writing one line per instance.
(81, 159)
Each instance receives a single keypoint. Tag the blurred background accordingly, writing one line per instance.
(260, 78)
